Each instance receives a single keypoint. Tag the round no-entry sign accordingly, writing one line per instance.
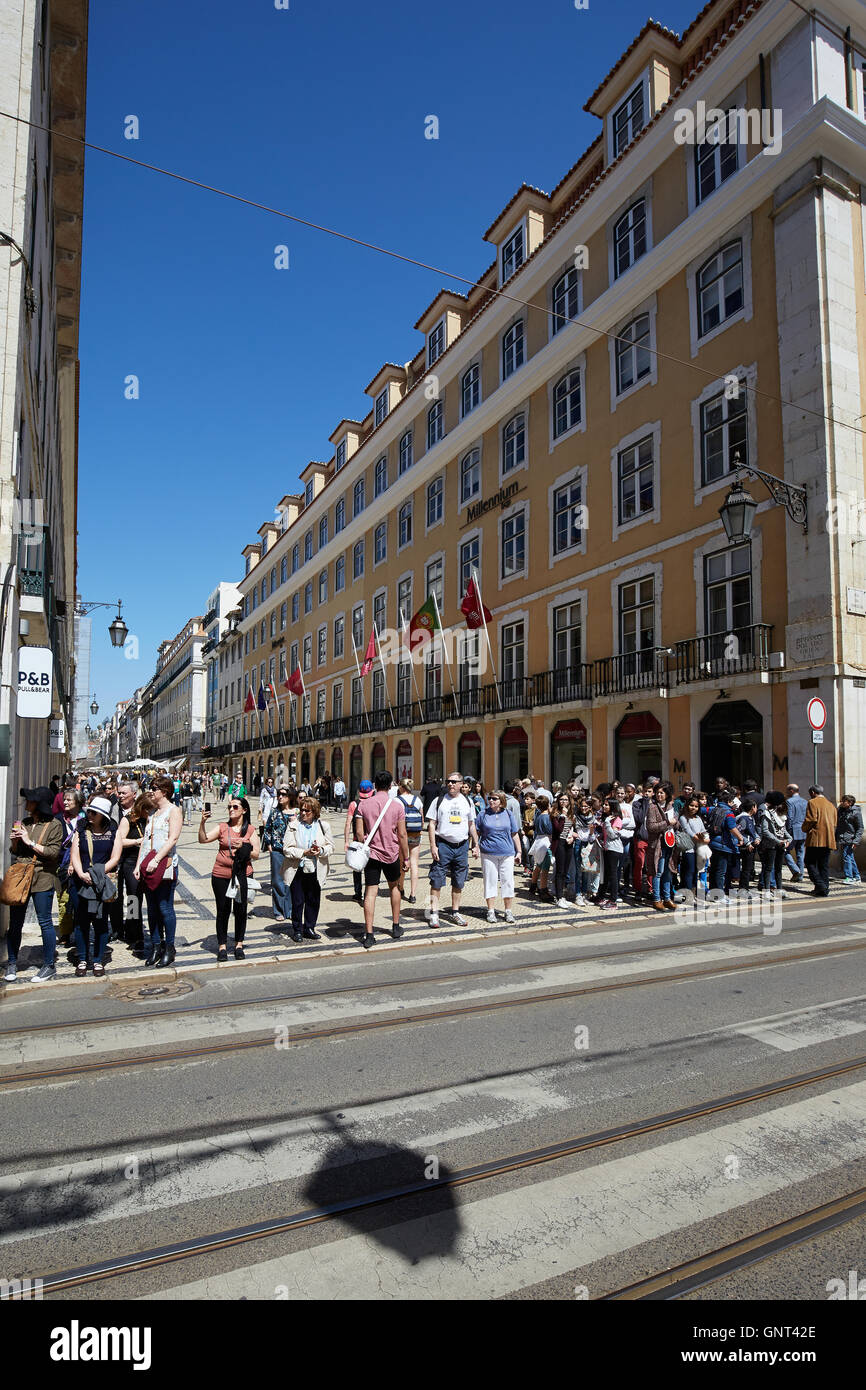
(816, 713)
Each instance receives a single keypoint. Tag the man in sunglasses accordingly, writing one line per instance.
(451, 825)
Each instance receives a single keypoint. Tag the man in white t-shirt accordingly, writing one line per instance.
(451, 824)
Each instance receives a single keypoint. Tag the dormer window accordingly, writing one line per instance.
(628, 119)
(513, 253)
(436, 342)
(341, 455)
(264, 543)
(284, 520)
(308, 493)
(381, 406)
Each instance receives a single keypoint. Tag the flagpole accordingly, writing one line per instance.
(361, 683)
(384, 677)
(310, 718)
(404, 625)
(476, 581)
(445, 653)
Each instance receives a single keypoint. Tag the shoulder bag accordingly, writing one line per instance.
(17, 881)
(358, 854)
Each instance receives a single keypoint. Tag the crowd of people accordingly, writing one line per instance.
(106, 850)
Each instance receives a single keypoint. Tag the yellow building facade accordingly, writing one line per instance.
(679, 304)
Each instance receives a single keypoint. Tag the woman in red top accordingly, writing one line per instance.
(237, 832)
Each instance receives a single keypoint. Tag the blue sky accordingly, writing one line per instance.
(245, 370)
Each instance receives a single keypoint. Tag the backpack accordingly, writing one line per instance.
(718, 821)
(414, 815)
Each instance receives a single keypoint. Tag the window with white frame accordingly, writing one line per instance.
(404, 598)
(434, 502)
(636, 480)
(339, 636)
(380, 542)
(308, 597)
(308, 651)
(320, 706)
(380, 476)
(381, 406)
(284, 569)
(359, 497)
(470, 388)
(513, 253)
(296, 607)
(407, 452)
(637, 625)
(628, 119)
(337, 701)
(470, 475)
(404, 522)
(728, 596)
(283, 664)
(273, 579)
(434, 579)
(322, 646)
(433, 672)
(470, 556)
(323, 532)
(435, 423)
(283, 615)
(513, 645)
(340, 574)
(357, 697)
(514, 544)
(514, 443)
(323, 586)
(629, 237)
(339, 516)
(341, 455)
(308, 493)
(436, 342)
(567, 638)
(273, 623)
(513, 349)
(567, 517)
(724, 435)
(379, 609)
(308, 546)
(264, 592)
(358, 560)
(404, 684)
(633, 357)
(358, 626)
(566, 403)
(716, 159)
(719, 287)
(468, 663)
(564, 299)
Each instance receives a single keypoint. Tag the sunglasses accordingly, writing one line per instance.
(454, 782)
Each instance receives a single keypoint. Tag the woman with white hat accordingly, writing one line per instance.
(92, 847)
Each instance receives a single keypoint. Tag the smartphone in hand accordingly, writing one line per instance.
(207, 807)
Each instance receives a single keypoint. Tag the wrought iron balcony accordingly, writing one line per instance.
(720, 654)
(630, 671)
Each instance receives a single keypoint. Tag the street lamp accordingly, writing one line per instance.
(117, 630)
(94, 707)
(739, 507)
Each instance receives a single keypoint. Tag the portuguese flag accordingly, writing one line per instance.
(425, 620)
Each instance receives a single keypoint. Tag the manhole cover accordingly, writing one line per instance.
(172, 989)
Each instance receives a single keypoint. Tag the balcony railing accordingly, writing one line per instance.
(655, 668)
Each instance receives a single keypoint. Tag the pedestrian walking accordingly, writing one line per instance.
(239, 845)
(339, 794)
(849, 832)
(498, 830)
(272, 843)
(92, 848)
(451, 827)
(819, 824)
(156, 867)
(380, 822)
(414, 809)
(36, 846)
(267, 800)
(307, 848)
(365, 791)
(187, 797)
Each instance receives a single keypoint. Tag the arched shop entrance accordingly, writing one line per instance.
(404, 759)
(732, 743)
(320, 763)
(434, 759)
(638, 748)
(469, 755)
(356, 769)
(337, 763)
(377, 762)
(568, 752)
(513, 754)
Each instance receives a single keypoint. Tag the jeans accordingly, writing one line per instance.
(719, 866)
(772, 859)
(747, 864)
(42, 904)
(280, 895)
(83, 920)
(796, 866)
(187, 809)
(849, 863)
(687, 869)
(161, 916)
(612, 858)
(306, 898)
(662, 879)
(561, 856)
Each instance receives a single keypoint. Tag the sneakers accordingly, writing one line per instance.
(396, 931)
(434, 919)
(412, 899)
(562, 902)
(46, 973)
(509, 917)
(491, 917)
(461, 920)
(580, 900)
(11, 974)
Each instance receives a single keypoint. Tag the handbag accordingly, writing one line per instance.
(685, 843)
(357, 854)
(109, 894)
(17, 881)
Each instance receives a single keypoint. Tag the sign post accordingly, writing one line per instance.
(816, 713)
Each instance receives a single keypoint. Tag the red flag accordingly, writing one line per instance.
(369, 656)
(475, 612)
(250, 701)
(295, 682)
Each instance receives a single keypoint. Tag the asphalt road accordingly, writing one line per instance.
(369, 1083)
